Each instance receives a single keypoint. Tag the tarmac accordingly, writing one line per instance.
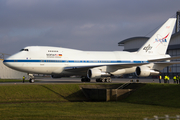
(78, 80)
(75, 80)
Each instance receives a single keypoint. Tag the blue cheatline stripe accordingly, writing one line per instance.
(77, 61)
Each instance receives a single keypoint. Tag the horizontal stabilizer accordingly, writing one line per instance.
(162, 65)
(163, 59)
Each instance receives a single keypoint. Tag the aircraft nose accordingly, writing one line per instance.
(13, 61)
(4, 62)
(7, 62)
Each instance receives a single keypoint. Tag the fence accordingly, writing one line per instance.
(3, 55)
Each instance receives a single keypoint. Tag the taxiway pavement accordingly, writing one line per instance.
(78, 80)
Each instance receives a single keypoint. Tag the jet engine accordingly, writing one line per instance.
(144, 71)
(96, 73)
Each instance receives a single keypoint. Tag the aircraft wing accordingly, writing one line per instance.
(129, 65)
(79, 69)
(113, 66)
(165, 64)
(163, 59)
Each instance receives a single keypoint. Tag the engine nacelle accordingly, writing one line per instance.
(96, 73)
(144, 71)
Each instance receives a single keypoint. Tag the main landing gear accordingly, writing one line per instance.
(31, 80)
(31, 76)
(85, 79)
(105, 79)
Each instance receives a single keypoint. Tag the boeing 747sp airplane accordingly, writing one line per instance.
(61, 62)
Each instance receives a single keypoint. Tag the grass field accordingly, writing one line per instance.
(157, 94)
(40, 93)
(9, 80)
(82, 111)
(62, 101)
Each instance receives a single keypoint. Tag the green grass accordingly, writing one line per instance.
(11, 80)
(40, 93)
(83, 111)
(54, 101)
(156, 94)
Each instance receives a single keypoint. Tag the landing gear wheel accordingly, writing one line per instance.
(98, 80)
(108, 79)
(31, 80)
(85, 80)
(82, 80)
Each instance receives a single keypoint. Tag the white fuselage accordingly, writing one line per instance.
(55, 60)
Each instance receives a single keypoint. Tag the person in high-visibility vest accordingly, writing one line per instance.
(160, 77)
(177, 79)
(174, 78)
(23, 79)
(165, 79)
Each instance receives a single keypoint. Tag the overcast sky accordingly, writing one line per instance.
(79, 24)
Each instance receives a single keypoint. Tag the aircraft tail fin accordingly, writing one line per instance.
(158, 43)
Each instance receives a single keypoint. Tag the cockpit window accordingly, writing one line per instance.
(24, 50)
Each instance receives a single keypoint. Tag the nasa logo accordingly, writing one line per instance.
(147, 48)
(161, 39)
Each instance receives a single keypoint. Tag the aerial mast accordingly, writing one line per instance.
(177, 21)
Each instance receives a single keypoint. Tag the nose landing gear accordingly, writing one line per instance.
(31, 80)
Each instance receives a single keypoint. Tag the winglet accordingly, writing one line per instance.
(158, 43)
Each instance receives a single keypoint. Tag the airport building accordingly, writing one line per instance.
(134, 43)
